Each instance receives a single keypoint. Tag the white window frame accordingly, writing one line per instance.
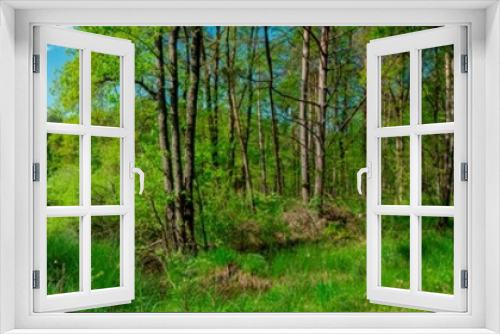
(413, 44)
(484, 308)
(85, 44)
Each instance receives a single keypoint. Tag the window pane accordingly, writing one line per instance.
(396, 251)
(105, 186)
(63, 85)
(437, 254)
(437, 85)
(105, 89)
(437, 170)
(395, 170)
(63, 255)
(63, 170)
(395, 81)
(105, 252)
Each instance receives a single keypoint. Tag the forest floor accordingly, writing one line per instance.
(321, 271)
(326, 274)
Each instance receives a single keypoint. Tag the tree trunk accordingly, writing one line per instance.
(213, 117)
(230, 167)
(321, 116)
(189, 137)
(274, 122)
(163, 132)
(176, 145)
(262, 147)
(303, 138)
(251, 46)
(239, 131)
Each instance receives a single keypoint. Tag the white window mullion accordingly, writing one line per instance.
(414, 173)
(87, 170)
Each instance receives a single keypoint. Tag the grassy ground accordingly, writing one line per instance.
(322, 276)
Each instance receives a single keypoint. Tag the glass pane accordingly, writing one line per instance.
(105, 89)
(105, 252)
(437, 85)
(105, 186)
(396, 251)
(437, 169)
(63, 255)
(63, 170)
(395, 95)
(395, 170)
(437, 254)
(63, 85)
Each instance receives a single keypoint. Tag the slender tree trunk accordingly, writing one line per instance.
(262, 146)
(303, 121)
(189, 139)
(232, 104)
(239, 130)
(321, 116)
(251, 60)
(214, 115)
(163, 131)
(176, 145)
(274, 122)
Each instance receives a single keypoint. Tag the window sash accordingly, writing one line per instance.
(86, 44)
(414, 43)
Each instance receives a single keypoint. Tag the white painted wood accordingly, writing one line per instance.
(492, 187)
(87, 44)
(248, 4)
(7, 166)
(414, 297)
(76, 129)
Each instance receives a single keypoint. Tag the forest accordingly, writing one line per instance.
(250, 139)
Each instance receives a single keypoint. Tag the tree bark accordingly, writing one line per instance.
(274, 123)
(232, 104)
(176, 145)
(321, 116)
(303, 121)
(262, 147)
(189, 137)
(239, 130)
(214, 116)
(163, 132)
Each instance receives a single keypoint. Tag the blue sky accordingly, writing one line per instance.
(56, 57)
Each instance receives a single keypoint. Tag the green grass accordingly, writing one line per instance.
(324, 276)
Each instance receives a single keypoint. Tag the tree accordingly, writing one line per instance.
(262, 145)
(303, 118)
(321, 116)
(179, 226)
(189, 137)
(274, 122)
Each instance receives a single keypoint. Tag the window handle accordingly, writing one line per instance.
(138, 171)
(368, 171)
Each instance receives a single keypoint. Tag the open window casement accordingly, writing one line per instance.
(422, 51)
(78, 123)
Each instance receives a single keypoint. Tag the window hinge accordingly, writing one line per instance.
(464, 172)
(36, 279)
(465, 279)
(36, 172)
(36, 63)
(465, 63)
